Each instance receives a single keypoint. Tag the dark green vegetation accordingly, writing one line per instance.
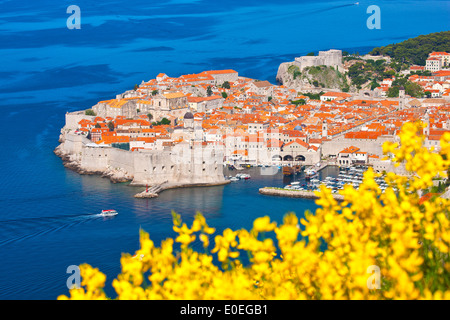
(364, 71)
(90, 112)
(313, 96)
(226, 85)
(164, 121)
(295, 71)
(299, 102)
(111, 126)
(370, 73)
(416, 50)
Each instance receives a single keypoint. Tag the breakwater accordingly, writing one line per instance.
(294, 193)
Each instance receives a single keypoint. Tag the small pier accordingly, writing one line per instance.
(154, 190)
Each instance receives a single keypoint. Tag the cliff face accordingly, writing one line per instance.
(286, 78)
(310, 78)
(176, 166)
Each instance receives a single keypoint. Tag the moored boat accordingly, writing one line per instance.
(288, 171)
(309, 173)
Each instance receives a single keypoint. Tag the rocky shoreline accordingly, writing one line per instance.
(118, 175)
(294, 194)
(70, 162)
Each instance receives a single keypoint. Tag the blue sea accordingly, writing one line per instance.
(48, 214)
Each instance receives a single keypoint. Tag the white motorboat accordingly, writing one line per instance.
(109, 213)
(310, 173)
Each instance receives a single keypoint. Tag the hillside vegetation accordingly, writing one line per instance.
(416, 50)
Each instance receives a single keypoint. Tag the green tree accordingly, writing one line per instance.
(154, 92)
(90, 112)
(311, 54)
(209, 91)
(393, 92)
(226, 85)
(97, 125)
(111, 126)
(164, 121)
(224, 95)
(374, 85)
(149, 116)
(416, 50)
(298, 102)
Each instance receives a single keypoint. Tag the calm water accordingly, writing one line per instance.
(47, 213)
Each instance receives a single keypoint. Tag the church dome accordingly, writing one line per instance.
(188, 115)
(298, 128)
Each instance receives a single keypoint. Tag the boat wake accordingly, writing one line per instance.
(13, 231)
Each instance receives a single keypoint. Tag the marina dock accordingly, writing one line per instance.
(294, 193)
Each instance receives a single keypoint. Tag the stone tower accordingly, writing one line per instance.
(325, 129)
(426, 130)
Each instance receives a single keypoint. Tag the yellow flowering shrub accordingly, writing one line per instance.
(325, 255)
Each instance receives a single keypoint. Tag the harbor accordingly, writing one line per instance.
(312, 179)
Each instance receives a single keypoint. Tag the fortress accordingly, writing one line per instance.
(330, 58)
(174, 166)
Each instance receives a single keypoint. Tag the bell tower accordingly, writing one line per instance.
(325, 129)
(426, 130)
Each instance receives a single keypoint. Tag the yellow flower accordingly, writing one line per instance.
(263, 225)
(404, 239)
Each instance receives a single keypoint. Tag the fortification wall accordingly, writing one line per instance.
(95, 159)
(175, 166)
(372, 146)
(118, 158)
(72, 119)
(74, 143)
